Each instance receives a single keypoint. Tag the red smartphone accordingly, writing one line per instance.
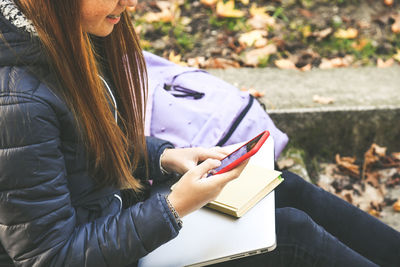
(241, 154)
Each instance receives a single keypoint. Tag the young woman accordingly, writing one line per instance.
(74, 160)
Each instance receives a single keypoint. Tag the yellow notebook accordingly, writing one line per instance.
(241, 194)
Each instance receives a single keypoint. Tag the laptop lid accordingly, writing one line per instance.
(209, 236)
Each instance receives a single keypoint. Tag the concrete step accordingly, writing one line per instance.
(365, 107)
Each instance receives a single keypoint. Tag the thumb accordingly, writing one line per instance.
(226, 177)
(203, 168)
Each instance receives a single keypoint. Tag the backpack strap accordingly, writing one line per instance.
(236, 122)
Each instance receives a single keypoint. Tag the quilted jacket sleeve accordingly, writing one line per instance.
(155, 147)
(37, 221)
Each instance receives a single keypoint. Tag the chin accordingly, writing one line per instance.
(102, 32)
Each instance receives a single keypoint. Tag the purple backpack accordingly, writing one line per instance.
(190, 107)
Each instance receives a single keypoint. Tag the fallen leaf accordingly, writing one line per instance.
(253, 92)
(208, 3)
(306, 67)
(220, 63)
(348, 166)
(384, 64)
(323, 33)
(285, 163)
(388, 2)
(323, 100)
(396, 25)
(176, 59)
(349, 33)
(359, 45)
(379, 150)
(364, 24)
(337, 62)
(131, 8)
(227, 10)
(254, 10)
(164, 16)
(370, 157)
(373, 179)
(250, 38)
(285, 64)
(259, 18)
(306, 31)
(261, 43)
(396, 206)
(397, 55)
(374, 213)
(396, 155)
(253, 57)
(197, 62)
(306, 13)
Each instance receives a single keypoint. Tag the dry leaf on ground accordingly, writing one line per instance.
(176, 59)
(253, 57)
(285, 64)
(208, 2)
(323, 33)
(373, 179)
(347, 165)
(259, 18)
(396, 206)
(197, 62)
(323, 100)
(396, 25)
(360, 45)
(337, 62)
(384, 64)
(396, 156)
(285, 163)
(350, 33)
(253, 92)
(250, 38)
(227, 10)
(220, 63)
(397, 55)
(388, 2)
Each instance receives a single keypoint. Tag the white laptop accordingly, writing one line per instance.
(209, 237)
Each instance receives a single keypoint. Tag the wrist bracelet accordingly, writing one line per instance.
(174, 212)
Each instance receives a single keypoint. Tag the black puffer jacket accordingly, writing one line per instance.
(51, 213)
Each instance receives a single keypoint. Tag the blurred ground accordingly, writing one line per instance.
(300, 34)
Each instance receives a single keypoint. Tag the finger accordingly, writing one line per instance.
(213, 153)
(226, 177)
(203, 168)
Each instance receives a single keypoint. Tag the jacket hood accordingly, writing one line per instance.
(19, 44)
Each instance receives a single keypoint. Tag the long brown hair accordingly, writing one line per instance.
(72, 56)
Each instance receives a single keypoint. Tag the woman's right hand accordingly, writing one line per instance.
(195, 189)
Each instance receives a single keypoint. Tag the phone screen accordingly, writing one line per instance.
(236, 154)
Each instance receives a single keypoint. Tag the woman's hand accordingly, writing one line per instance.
(195, 189)
(181, 160)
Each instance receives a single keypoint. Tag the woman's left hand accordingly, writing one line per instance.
(181, 160)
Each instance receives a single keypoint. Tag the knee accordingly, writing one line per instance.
(295, 225)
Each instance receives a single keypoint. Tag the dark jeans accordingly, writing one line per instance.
(316, 228)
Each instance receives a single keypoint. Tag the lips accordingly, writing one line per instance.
(113, 19)
(114, 16)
